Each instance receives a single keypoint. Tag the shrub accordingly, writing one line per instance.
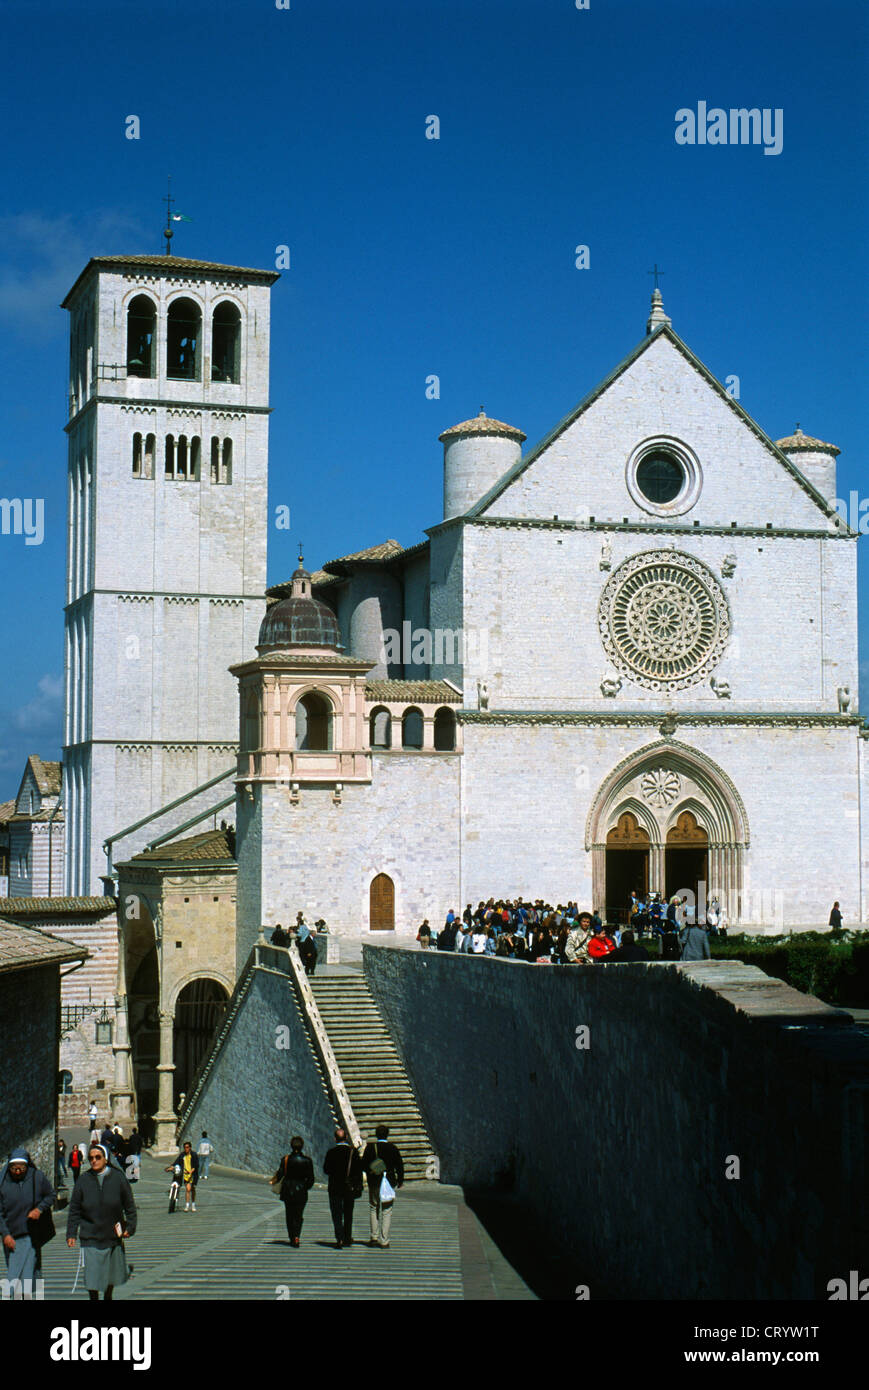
(834, 966)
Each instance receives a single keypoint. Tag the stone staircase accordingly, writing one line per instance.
(371, 1068)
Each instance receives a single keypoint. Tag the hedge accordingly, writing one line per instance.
(834, 966)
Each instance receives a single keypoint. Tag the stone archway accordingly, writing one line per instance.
(627, 867)
(659, 784)
(381, 903)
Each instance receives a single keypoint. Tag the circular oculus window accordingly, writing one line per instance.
(664, 477)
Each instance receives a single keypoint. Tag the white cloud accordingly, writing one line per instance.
(44, 710)
(41, 258)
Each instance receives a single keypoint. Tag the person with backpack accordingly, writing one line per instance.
(343, 1168)
(423, 936)
(296, 1177)
(384, 1168)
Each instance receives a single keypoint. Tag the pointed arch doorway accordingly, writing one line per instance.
(686, 858)
(381, 903)
(627, 866)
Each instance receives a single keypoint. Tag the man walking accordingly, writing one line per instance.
(205, 1150)
(343, 1168)
(383, 1166)
(694, 942)
(133, 1158)
(296, 1176)
(92, 1114)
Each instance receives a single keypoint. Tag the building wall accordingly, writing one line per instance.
(29, 1002)
(320, 856)
(258, 1094)
(621, 1148)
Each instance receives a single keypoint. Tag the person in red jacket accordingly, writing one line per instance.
(601, 945)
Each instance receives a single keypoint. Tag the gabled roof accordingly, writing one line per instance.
(24, 947)
(212, 846)
(334, 571)
(179, 263)
(46, 775)
(665, 331)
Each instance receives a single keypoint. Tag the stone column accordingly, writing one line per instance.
(657, 868)
(165, 1119)
(122, 1099)
(428, 732)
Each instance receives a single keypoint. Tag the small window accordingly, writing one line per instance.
(195, 449)
(226, 343)
(215, 460)
(226, 462)
(411, 729)
(170, 456)
(141, 325)
(381, 728)
(181, 458)
(445, 731)
(138, 455)
(150, 452)
(103, 1032)
(660, 477)
(183, 329)
(313, 723)
(64, 1083)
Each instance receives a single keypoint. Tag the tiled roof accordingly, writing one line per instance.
(334, 571)
(180, 263)
(50, 813)
(483, 424)
(303, 659)
(47, 775)
(7, 810)
(428, 692)
(213, 844)
(21, 947)
(798, 441)
(47, 907)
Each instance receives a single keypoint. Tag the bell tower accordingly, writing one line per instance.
(166, 543)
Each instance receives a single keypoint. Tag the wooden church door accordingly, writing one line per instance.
(382, 903)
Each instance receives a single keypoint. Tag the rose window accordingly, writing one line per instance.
(661, 786)
(664, 620)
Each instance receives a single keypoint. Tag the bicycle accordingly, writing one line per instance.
(174, 1187)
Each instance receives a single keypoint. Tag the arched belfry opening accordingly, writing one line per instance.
(670, 818)
(183, 335)
(313, 723)
(226, 343)
(141, 333)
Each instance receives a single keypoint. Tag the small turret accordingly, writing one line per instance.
(476, 454)
(815, 459)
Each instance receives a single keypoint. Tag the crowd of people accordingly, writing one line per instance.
(542, 934)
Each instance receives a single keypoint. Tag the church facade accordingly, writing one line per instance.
(625, 660)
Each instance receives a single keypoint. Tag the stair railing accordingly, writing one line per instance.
(322, 1046)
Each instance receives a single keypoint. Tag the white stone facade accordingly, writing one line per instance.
(678, 669)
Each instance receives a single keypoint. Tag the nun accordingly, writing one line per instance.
(103, 1211)
(25, 1193)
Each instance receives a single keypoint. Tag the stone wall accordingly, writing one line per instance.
(29, 1001)
(623, 1148)
(257, 1094)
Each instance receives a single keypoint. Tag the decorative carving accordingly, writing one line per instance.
(667, 726)
(686, 831)
(844, 697)
(660, 786)
(728, 566)
(628, 834)
(610, 687)
(721, 688)
(483, 694)
(606, 554)
(664, 620)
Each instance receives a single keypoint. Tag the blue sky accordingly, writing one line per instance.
(412, 256)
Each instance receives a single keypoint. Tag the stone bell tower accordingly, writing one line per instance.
(167, 526)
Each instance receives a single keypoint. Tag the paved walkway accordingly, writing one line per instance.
(235, 1247)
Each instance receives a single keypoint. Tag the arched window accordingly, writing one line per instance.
(226, 343)
(141, 328)
(183, 329)
(226, 462)
(250, 727)
(181, 457)
(313, 723)
(195, 449)
(137, 455)
(411, 729)
(150, 451)
(380, 721)
(445, 730)
(170, 456)
(64, 1083)
(215, 460)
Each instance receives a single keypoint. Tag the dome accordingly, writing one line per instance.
(300, 620)
(804, 443)
(481, 424)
